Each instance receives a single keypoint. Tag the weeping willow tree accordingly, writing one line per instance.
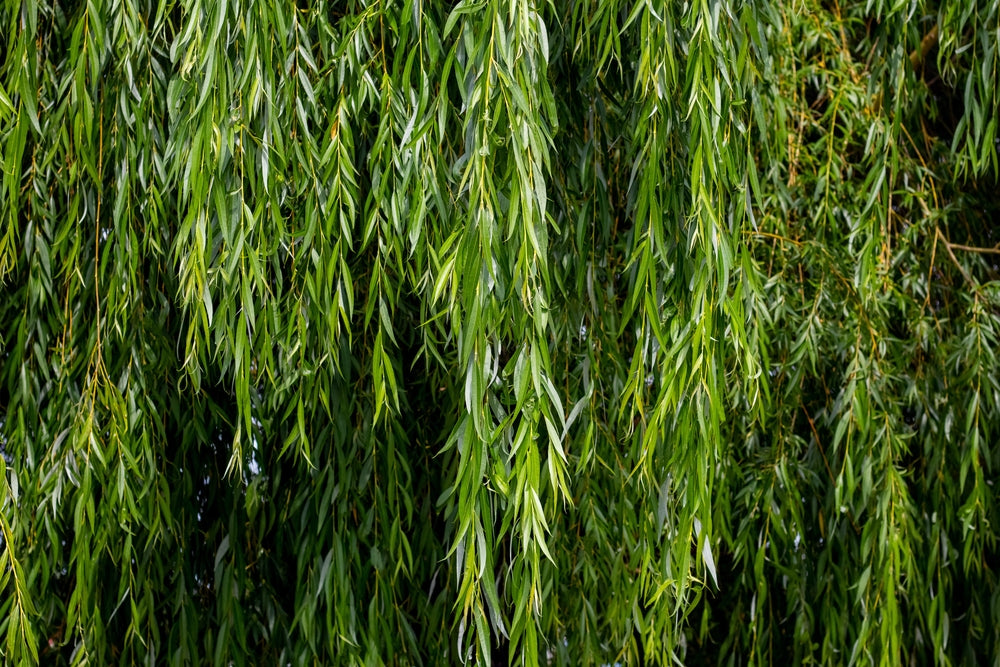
(499, 331)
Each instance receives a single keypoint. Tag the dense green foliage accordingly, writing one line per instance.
(558, 333)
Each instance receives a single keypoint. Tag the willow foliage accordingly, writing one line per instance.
(407, 332)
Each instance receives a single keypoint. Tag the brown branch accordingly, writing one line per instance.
(926, 44)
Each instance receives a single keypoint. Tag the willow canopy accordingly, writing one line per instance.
(549, 333)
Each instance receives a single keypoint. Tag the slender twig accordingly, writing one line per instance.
(930, 269)
(829, 471)
(951, 253)
(995, 250)
(783, 239)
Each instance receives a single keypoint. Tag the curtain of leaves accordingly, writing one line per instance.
(499, 331)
